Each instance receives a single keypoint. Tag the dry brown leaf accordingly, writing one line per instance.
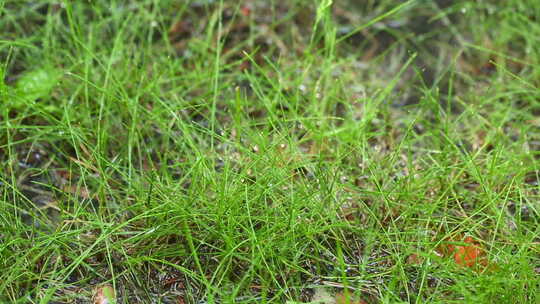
(414, 259)
(180, 300)
(82, 191)
(104, 294)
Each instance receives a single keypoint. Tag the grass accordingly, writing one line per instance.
(256, 151)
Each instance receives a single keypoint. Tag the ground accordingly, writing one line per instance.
(269, 151)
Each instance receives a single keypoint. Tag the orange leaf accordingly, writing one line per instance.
(471, 254)
(245, 11)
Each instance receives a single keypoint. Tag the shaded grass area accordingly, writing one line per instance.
(252, 151)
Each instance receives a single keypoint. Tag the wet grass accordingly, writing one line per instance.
(253, 152)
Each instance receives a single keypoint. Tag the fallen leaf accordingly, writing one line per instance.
(104, 295)
(180, 29)
(82, 191)
(180, 300)
(414, 259)
(38, 83)
(468, 253)
(245, 11)
(471, 254)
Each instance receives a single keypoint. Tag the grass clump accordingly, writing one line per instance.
(255, 152)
